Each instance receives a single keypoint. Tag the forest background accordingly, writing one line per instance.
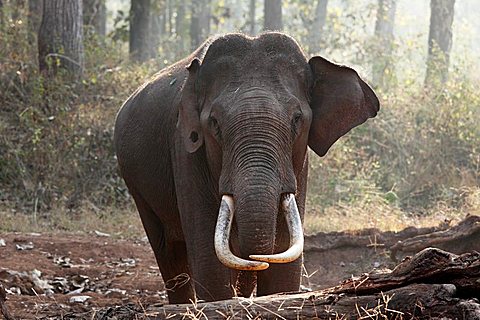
(417, 163)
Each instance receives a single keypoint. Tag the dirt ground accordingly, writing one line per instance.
(48, 275)
(96, 276)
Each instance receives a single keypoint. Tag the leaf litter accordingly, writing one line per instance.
(71, 275)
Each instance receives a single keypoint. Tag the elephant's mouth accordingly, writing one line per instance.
(222, 237)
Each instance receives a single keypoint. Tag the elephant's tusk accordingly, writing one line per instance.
(222, 237)
(294, 224)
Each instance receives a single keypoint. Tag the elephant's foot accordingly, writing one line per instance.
(179, 289)
(214, 285)
(171, 255)
(174, 268)
(279, 278)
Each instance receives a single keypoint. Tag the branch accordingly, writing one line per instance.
(58, 55)
(427, 285)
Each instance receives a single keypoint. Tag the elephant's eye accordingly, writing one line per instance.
(296, 122)
(297, 117)
(214, 125)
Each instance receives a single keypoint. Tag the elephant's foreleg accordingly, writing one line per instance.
(279, 278)
(171, 255)
(283, 277)
(212, 279)
(246, 283)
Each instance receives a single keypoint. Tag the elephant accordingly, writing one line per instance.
(213, 150)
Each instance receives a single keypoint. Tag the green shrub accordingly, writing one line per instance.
(421, 152)
(56, 135)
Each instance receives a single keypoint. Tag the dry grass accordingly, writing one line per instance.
(378, 213)
(119, 223)
(417, 164)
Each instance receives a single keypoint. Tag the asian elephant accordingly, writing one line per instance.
(213, 150)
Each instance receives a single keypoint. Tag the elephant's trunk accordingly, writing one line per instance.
(222, 236)
(258, 173)
(256, 210)
(295, 230)
(222, 239)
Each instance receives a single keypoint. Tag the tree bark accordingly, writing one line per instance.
(325, 252)
(439, 41)
(200, 22)
(60, 38)
(162, 22)
(317, 27)
(180, 26)
(139, 44)
(155, 34)
(273, 15)
(433, 283)
(95, 15)
(34, 18)
(460, 238)
(169, 11)
(195, 30)
(156, 28)
(1, 15)
(251, 16)
(383, 67)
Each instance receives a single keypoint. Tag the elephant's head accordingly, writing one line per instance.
(254, 104)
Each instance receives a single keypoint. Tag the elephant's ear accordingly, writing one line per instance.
(340, 101)
(189, 114)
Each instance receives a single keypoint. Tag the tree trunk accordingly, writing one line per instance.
(34, 18)
(1, 15)
(433, 283)
(200, 23)
(95, 15)
(139, 30)
(180, 26)
(324, 252)
(273, 15)
(162, 20)
(60, 38)
(316, 29)
(251, 16)
(169, 11)
(195, 31)
(383, 65)
(439, 41)
(205, 17)
(155, 34)
(156, 28)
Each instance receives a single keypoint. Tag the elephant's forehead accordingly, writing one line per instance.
(266, 52)
(272, 61)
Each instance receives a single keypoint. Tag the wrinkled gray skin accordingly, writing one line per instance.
(235, 117)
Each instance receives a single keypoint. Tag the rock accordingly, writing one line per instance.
(101, 234)
(26, 246)
(79, 299)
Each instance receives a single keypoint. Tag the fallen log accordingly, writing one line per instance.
(459, 238)
(433, 283)
(331, 257)
(430, 265)
(417, 301)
